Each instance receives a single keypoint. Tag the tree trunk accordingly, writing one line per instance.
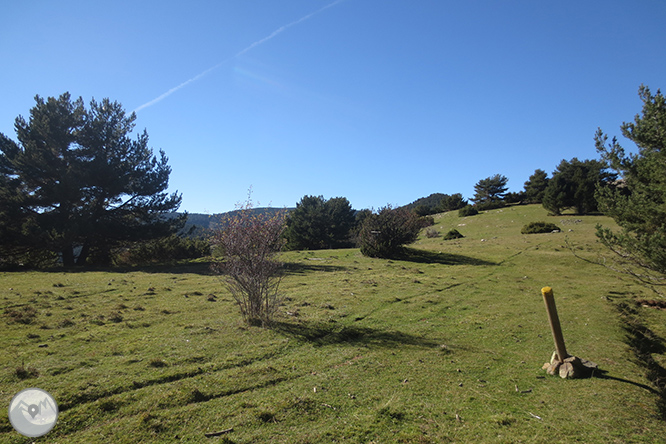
(68, 256)
(83, 255)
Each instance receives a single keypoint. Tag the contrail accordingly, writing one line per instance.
(243, 51)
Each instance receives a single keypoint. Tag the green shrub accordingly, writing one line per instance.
(426, 221)
(383, 234)
(453, 234)
(467, 210)
(487, 206)
(539, 227)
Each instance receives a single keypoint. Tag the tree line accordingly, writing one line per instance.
(75, 187)
(572, 187)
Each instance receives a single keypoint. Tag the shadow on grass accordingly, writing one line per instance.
(432, 257)
(603, 374)
(301, 268)
(201, 267)
(328, 334)
(644, 343)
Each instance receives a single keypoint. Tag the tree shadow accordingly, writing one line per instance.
(431, 257)
(186, 267)
(303, 268)
(644, 344)
(603, 374)
(320, 334)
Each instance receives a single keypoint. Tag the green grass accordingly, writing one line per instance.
(444, 344)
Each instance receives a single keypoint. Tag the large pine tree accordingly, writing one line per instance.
(491, 190)
(638, 203)
(317, 223)
(574, 184)
(536, 185)
(77, 185)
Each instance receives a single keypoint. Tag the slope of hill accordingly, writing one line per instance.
(444, 344)
(431, 201)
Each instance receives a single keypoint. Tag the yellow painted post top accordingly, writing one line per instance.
(547, 291)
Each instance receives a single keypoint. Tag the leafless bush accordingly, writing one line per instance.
(250, 242)
(431, 232)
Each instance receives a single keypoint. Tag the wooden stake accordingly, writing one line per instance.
(554, 320)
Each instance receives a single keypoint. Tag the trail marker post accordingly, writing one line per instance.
(561, 362)
(554, 320)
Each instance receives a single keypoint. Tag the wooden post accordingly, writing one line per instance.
(554, 323)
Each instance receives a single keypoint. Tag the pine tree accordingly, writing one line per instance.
(490, 191)
(574, 184)
(77, 185)
(535, 186)
(317, 223)
(638, 203)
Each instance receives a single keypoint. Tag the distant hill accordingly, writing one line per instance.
(204, 222)
(435, 203)
(431, 201)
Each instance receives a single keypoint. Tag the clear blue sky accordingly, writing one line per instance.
(374, 100)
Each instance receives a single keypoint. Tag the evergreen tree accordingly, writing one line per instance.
(317, 224)
(638, 203)
(451, 202)
(490, 191)
(75, 183)
(384, 233)
(573, 185)
(536, 185)
(436, 203)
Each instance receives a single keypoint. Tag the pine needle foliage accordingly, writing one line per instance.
(638, 202)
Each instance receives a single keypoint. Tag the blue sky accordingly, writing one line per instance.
(381, 102)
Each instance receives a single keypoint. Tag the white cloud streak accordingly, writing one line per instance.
(240, 53)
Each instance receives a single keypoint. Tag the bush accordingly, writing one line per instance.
(539, 227)
(467, 210)
(453, 234)
(487, 206)
(426, 221)
(250, 243)
(383, 234)
(431, 232)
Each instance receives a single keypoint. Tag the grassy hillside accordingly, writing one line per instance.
(444, 345)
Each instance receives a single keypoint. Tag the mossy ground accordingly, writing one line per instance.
(444, 344)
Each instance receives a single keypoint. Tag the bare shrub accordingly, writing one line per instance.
(250, 242)
(431, 232)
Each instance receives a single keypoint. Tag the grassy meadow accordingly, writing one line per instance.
(443, 345)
